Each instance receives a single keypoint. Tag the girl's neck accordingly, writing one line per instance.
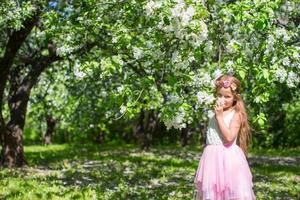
(229, 109)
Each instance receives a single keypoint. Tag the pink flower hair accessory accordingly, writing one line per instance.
(227, 84)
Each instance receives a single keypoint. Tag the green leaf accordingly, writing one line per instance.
(242, 74)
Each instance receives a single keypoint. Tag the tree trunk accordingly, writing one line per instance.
(99, 139)
(12, 149)
(51, 122)
(145, 127)
(160, 131)
(172, 136)
(184, 137)
(2, 129)
(12, 154)
(139, 130)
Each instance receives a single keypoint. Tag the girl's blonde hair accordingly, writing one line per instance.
(244, 134)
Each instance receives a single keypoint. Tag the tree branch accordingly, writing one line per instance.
(14, 43)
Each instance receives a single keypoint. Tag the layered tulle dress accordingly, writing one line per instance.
(223, 172)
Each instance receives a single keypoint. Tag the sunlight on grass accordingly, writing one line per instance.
(126, 172)
(43, 148)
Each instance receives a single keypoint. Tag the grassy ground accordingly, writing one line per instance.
(125, 172)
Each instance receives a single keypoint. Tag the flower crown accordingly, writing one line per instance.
(227, 84)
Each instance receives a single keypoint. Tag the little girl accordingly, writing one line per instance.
(223, 172)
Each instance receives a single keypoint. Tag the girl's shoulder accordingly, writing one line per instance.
(230, 116)
(236, 117)
(237, 113)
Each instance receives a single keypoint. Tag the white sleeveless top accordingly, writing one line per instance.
(213, 133)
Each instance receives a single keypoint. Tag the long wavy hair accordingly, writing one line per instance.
(244, 135)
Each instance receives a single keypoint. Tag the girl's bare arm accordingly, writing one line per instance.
(229, 133)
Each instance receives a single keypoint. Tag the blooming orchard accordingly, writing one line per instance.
(170, 53)
(165, 55)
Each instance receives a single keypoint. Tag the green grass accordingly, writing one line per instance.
(126, 172)
(291, 152)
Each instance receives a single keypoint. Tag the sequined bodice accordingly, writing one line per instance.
(213, 134)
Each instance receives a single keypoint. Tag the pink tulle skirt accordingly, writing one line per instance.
(223, 174)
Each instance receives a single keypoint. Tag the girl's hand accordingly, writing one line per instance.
(218, 110)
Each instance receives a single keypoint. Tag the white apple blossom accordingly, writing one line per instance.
(64, 50)
(205, 98)
(280, 75)
(149, 44)
(123, 109)
(230, 46)
(191, 59)
(176, 11)
(114, 39)
(296, 55)
(229, 67)
(248, 50)
(178, 121)
(229, 63)
(227, 36)
(104, 93)
(147, 63)
(187, 15)
(173, 98)
(120, 89)
(292, 79)
(257, 99)
(77, 72)
(175, 57)
(274, 59)
(206, 79)
(196, 81)
(209, 46)
(137, 53)
(270, 44)
(217, 73)
(204, 31)
(151, 6)
(286, 61)
(288, 6)
(282, 33)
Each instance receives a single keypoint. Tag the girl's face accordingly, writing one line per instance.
(225, 95)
